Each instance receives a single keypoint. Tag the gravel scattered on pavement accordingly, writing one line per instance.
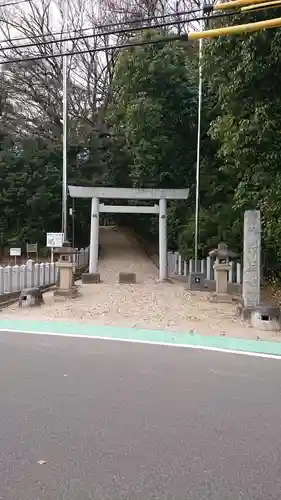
(147, 304)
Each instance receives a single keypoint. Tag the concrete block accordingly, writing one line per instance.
(66, 294)
(89, 278)
(196, 281)
(266, 318)
(221, 297)
(127, 278)
(31, 297)
(263, 317)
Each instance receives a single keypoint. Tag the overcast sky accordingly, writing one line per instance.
(16, 12)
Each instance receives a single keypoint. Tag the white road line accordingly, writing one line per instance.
(148, 342)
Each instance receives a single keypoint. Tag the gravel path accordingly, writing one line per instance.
(148, 304)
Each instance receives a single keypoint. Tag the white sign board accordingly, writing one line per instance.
(15, 252)
(54, 240)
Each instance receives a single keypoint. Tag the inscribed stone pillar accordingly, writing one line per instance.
(251, 258)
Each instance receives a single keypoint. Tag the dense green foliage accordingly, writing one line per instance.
(154, 108)
(147, 138)
(244, 78)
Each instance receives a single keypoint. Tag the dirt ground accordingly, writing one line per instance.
(147, 304)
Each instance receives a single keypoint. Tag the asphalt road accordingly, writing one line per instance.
(117, 421)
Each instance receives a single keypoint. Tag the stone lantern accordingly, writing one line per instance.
(222, 267)
(65, 285)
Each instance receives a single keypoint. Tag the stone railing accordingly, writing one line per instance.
(34, 274)
(179, 267)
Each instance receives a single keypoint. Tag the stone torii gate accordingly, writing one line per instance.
(97, 193)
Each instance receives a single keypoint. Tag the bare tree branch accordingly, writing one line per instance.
(34, 89)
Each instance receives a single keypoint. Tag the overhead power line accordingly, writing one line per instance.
(213, 33)
(98, 49)
(113, 32)
(95, 35)
(111, 25)
(207, 10)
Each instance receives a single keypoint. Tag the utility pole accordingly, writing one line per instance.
(64, 124)
(200, 88)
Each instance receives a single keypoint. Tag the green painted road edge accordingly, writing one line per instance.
(137, 335)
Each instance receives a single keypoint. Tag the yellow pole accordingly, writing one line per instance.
(263, 5)
(236, 30)
(233, 4)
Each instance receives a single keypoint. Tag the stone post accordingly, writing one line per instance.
(251, 258)
(2, 287)
(30, 273)
(8, 279)
(16, 279)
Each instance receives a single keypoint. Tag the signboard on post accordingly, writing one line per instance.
(32, 248)
(15, 252)
(54, 240)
